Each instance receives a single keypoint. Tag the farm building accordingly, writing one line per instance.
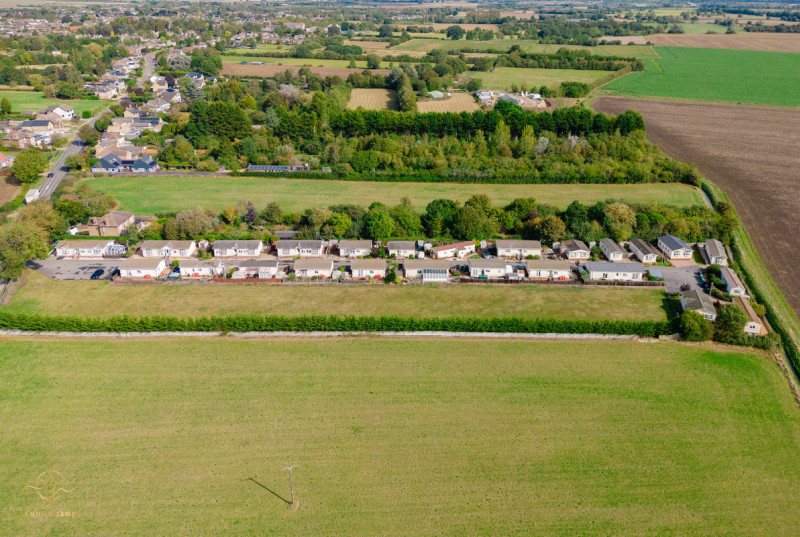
(200, 268)
(733, 284)
(518, 248)
(313, 268)
(142, 268)
(715, 253)
(575, 250)
(168, 248)
(489, 268)
(430, 270)
(237, 248)
(644, 251)
(457, 249)
(401, 248)
(83, 249)
(368, 268)
(611, 250)
(355, 248)
(301, 248)
(547, 269)
(618, 272)
(694, 300)
(674, 248)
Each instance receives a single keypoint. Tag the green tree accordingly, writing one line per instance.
(694, 327)
(228, 121)
(5, 106)
(378, 224)
(474, 85)
(248, 102)
(339, 224)
(373, 61)
(76, 162)
(188, 224)
(385, 30)
(455, 32)
(729, 325)
(470, 224)
(28, 165)
(19, 243)
(550, 229)
(43, 215)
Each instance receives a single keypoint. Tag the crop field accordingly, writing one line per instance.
(40, 294)
(744, 41)
(268, 70)
(34, 100)
(457, 102)
(703, 28)
(756, 170)
(372, 99)
(147, 195)
(737, 76)
(642, 51)
(503, 78)
(396, 438)
(237, 59)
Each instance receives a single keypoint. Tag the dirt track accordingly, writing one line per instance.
(752, 153)
(748, 41)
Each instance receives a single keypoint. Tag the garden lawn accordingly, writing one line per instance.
(34, 100)
(40, 294)
(396, 438)
(742, 76)
(148, 195)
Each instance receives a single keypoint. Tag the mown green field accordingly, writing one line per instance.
(503, 78)
(641, 51)
(149, 194)
(34, 100)
(396, 438)
(742, 76)
(703, 28)
(40, 294)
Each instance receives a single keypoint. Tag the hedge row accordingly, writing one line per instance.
(327, 323)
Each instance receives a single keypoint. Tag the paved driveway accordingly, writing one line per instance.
(72, 269)
(675, 277)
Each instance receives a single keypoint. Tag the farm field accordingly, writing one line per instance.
(40, 294)
(737, 76)
(503, 78)
(372, 99)
(743, 41)
(757, 171)
(641, 51)
(237, 59)
(9, 189)
(691, 28)
(34, 100)
(149, 194)
(267, 70)
(457, 102)
(397, 437)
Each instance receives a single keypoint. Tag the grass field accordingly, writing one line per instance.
(233, 58)
(150, 194)
(372, 99)
(502, 78)
(703, 28)
(40, 294)
(34, 100)
(742, 76)
(396, 438)
(641, 51)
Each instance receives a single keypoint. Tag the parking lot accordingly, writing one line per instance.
(75, 269)
(675, 277)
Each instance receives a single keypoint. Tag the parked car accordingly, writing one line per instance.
(97, 273)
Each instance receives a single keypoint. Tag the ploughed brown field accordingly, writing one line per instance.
(747, 41)
(9, 189)
(752, 153)
(272, 70)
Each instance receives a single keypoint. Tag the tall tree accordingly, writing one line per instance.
(19, 243)
(28, 165)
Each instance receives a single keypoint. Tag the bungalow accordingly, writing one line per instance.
(108, 164)
(263, 269)
(753, 326)
(611, 250)
(617, 272)
(83, 249)
(518, 249)
(489, 268)
(575, 250)
(313, 268)
(301, 248)
(694, 300)
(457, 249)
(546, 269)
(368, 268)
(733, 284)
(237, 248)
(674, 248)
(402, 249)
(644, 251)
(63, 111)
(112, 224)
(355, 248)
(430, 270)
(200, 268)
(145, 164)
(715, 253)
(168, 248)
(142, 268)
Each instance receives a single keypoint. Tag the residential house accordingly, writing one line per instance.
(547, 269)
(358, 248)
(644, 251)
(674, 248)
(42, 126)
(158, 83)
(200, 268)
(457, 249)
(715, 253)
(263, 269)
(24, 138)
(694, 300)
(429, 270)
(518, 248)
(617, 272)
(111, 163)
(301, 248)
(313, 268)
(489, 268)
(237, 248)
(108, 164)
(198, 78)
(368, 268)
(6, 161)
(83, 249)
(168, 248)
(401, 249)
(65, 112)
(112, 224)
(575, 250)
(733, 284)
(611, 250)
(142, 268)
(754, 326)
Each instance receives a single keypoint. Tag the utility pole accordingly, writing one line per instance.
(291, 484)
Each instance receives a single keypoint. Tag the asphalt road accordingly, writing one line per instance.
(149, 67)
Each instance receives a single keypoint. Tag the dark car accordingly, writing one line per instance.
(49, 175)
(97, 273)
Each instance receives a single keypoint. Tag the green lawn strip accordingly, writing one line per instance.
(35, 100)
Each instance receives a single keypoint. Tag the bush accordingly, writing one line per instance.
(86, 114)
(694, 327)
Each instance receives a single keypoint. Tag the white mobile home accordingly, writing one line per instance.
(518, 249)
(429, 270)
(298, 248)
(368, 268)
(142, 268)
(611, 250)
(674, 248)
(715, 253)
(241, 249)
(168, 249)
(402, 249)
(644, 251)
(83, 249)
(547, 269)
(575, 250)
(313, 268)
(618, 272)
(349, 248)
(200, 268)
(489, 268)
(733, 284)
